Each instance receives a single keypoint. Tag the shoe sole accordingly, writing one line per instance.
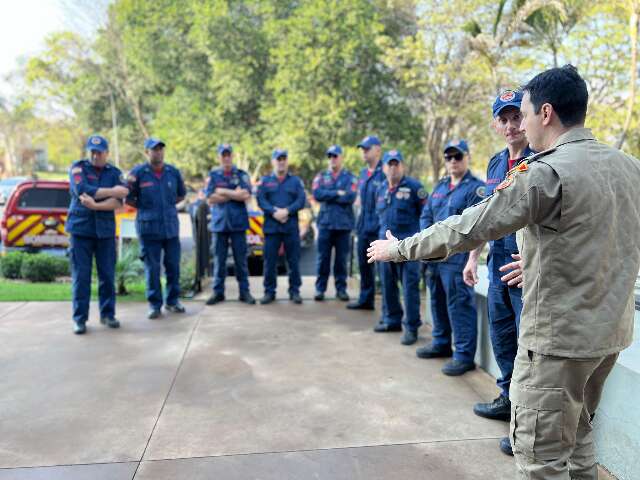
(457, 374)
(501, 418)
(427, 357)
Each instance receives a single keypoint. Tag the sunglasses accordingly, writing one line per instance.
(456, 156)
(281, 159)
(331, 155)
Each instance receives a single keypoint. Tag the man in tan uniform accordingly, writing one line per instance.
(578, 203)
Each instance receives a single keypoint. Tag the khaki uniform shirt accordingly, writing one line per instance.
(578, 204)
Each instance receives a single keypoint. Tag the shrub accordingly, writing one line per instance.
(11, 264)
(129, 268)
(187, 275)
(38, 268)
(61, 266)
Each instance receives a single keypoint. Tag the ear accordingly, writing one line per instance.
(494, 125)
(547, 113)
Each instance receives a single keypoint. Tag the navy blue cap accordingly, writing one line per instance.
(97, 143)
(459, 145)
(225, 147)
(508, 98)
(151, 143)
(392, 155)
(370, 141)
(277, 153)
(334, 150)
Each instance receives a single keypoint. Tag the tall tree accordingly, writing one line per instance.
(330, 85)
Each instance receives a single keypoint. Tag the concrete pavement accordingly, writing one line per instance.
(234, 392)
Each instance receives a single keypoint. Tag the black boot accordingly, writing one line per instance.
(499, 409)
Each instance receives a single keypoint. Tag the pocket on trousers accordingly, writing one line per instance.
(537, 428)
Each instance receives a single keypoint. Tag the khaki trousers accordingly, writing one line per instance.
(553, 401)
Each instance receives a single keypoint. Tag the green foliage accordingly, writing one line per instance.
(61, 266)
(39, 267)
(129, 268)
(11, 264)
(20, 291)
(305, 74)
(187, 274)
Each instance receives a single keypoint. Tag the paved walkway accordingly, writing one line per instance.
(234, 392)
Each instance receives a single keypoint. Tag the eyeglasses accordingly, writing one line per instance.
(332, 155)
(281, 159)
(457, 156)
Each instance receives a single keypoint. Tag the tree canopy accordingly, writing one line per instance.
(305, 74)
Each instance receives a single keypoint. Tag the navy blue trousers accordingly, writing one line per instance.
(505, 307)
(272, 242)
(328, 240)
(152, 255)
(238, 241)
(408, 274)
(453, 310)
(367, 270)
(82, 251)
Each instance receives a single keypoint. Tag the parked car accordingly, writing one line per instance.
(34, 217)
(7, 186)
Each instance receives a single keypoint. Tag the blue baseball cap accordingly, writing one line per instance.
(370, 141)
(225, 147)
(460, 145)
(151, 143)
(277, 153)
(392, 155)
(507, 98)
(97, 143)
(334, 150)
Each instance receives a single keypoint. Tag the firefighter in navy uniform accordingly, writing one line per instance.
(367, 226)
(227, 190)
(97, 189)
(280, 196)
(336, 190)
(155, 188)
(453, 303)
(399, 203)
(504, 301)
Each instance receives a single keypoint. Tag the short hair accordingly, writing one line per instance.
(564, 89)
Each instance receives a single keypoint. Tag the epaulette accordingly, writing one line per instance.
(536, 156)
(523, 165)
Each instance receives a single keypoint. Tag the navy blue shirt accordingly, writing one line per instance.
(399, 208)
(283, 193)
(496, 173)
(230, 216)
(85, 178)
(336, 211)
(368, 185)
(155, 198)
(445, 202)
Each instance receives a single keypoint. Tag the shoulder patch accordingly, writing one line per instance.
(76, 170)
(520, 168)
(505, 183)
(244, 177)
(481, 191)
(422, 194)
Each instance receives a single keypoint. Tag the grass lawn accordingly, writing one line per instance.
(21, 291)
